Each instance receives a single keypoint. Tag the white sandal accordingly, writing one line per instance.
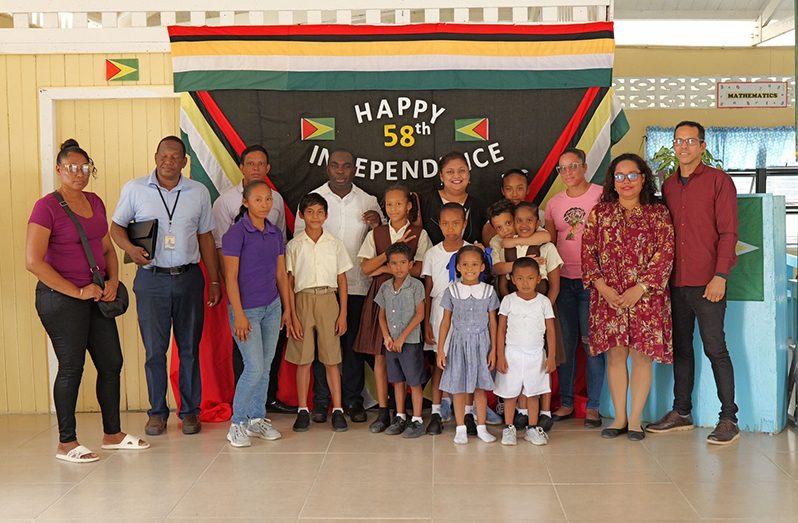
(128, 443)
(76, 455)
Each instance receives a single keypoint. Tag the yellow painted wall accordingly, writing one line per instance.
(121, 136)
(685, 62)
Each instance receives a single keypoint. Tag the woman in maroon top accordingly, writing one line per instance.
(66, 301)
(627, 256)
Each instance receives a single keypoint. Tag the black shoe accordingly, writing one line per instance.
(356, 413)
(545, 422)
(382, 421)
(636, 435)
(435, 425)
(302, 422)
(610, 433)
(592, 423)
(555, 417)
(396, 427)
(279, 406)
(471, 425)
(339, 422)
(520, 421)
(319, 414)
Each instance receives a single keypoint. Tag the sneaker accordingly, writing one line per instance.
(414, 429)
(435, 425)
(237, 436)
(520, 421)
(536, 436)
(545, 422)
(262, 428)
(397, 426)
(725, 432)
(446, 410)
(302, 422)
(509, 435)
(671, 422)
(460, 438)
(339, 422)
(471, 425)
(493, 418)
(382, 421)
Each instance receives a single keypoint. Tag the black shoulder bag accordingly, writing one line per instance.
(109, 309)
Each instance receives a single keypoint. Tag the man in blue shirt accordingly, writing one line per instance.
(169, 284)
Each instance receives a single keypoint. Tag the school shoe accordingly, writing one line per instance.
(396, 427)
(155, 426)
(509, 436)
(356, 413)
(446, 410)
(726, 431)
(262, 428)
(413, 430)
(611, 433)
(191, 424)
(282, 408)
(339, 422)
(237, 436)
(545, 422)
(671, 422)
(435, 425)
(319, 414)
(592, 423)
(536, 436)
(382, 421)
(302, 423)
(520, 421)
(493, 418)
(471, 425)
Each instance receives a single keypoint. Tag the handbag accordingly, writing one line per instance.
(109, 309)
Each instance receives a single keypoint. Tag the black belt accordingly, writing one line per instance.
(174, 271)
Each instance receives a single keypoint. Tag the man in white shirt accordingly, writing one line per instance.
(352, 213)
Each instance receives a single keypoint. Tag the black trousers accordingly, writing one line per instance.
(689, 305)
(75, 326)
(353, 377)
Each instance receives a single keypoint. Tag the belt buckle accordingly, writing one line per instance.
(175, 271)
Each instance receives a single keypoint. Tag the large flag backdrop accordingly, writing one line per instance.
(398, 97)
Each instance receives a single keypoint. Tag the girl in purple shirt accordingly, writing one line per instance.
(257, 283)
(66, 301)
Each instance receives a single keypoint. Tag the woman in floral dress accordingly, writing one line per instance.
(627, 255)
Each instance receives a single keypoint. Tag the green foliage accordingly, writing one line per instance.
(665, 163)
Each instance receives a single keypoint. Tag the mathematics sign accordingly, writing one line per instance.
(751, 94)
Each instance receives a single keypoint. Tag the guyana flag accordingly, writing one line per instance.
(122, 69)
(317, 128)
(471, 130)
(747, 278)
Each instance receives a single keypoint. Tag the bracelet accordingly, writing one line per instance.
(214, 283)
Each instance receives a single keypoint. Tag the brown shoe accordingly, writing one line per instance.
(725, 432)
(191, 424)
(671, 422)
(155, 426)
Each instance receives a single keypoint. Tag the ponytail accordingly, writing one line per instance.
(241, 212)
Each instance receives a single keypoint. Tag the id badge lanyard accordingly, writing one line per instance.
(169, 239)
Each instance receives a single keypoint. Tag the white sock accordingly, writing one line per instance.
(339, 409)
(469, 409)
(484, 435)
(300, 409)
(418, 419)
(402, 415)
(545, 413)
(436, 409)
(460, 429)
(460, 435)
(523, 412)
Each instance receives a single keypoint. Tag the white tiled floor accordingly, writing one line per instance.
(358, 476)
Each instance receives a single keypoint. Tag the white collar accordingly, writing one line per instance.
(465, 291)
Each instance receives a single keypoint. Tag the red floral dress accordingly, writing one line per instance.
(626, 247)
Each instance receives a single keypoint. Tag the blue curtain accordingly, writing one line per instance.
(738, 147)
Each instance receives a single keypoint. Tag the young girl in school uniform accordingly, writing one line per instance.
(470, 316)
(401, 210)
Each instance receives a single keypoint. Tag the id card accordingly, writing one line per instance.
(169, 242)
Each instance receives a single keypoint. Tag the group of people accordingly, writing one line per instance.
(481, 305)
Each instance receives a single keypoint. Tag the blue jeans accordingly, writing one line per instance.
(257, 352)
(573, 306)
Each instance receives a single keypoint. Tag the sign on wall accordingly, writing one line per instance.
(752, 94)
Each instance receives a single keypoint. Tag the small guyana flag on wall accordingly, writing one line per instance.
(122, 69)
(317, 128)
(471, 130)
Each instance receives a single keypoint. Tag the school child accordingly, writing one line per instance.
(401, 310)
(470, 316)
(316, 262)
(515, 185)
(401, 213)
(257, 284)
(435, 270)
(521, 361)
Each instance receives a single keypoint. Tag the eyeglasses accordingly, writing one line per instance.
(689, 141)
(632, 177)
(74, 168)
(570, 167)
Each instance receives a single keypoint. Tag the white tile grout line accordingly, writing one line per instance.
(672, 482)
(316, 479)
(196, 479)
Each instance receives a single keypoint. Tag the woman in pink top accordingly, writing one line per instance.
(66, 300)
(566, 214)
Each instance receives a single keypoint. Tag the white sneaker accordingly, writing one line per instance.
(509, 435)
(237, 436)
(536, 436)
(262, 428)
(484, 435)
(461, 437)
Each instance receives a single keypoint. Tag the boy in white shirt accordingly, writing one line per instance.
(525, 316)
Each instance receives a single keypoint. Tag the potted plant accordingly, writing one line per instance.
(664, 163)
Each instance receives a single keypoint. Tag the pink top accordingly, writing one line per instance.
(569, 215)
(65, 252)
